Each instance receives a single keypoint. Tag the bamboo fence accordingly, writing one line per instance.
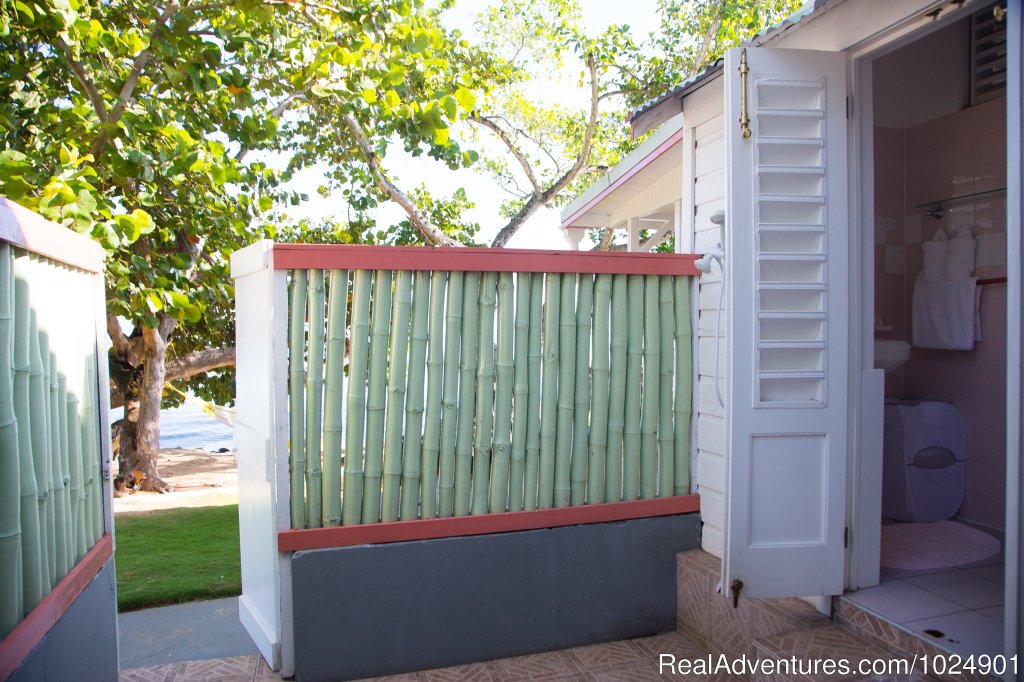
(484, 392)
(50, 502)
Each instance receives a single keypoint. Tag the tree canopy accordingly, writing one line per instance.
(159, 129)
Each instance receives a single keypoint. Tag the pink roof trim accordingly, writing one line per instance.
(644, 162)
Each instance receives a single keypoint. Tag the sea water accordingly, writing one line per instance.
(189, 427)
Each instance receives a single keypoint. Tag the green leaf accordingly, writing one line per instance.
(143, 221)
(154, 302)
(451, 107)
(192, 313)
(25, 10)
(129, 228)
(369, 95)
(466, 99)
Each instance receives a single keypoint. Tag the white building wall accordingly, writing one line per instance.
(705, 177)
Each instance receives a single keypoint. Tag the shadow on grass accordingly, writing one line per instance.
(176, 555)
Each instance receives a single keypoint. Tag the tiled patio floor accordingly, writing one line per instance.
(627, 660)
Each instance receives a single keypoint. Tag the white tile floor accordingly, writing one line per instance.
(959, 609)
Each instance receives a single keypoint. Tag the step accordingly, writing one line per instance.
(893, 637)
(806, 654)
(709, 619)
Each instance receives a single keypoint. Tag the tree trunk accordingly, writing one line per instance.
(147, 426)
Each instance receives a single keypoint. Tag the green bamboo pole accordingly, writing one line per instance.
(520, 392)
(533, 366)
(450, 399)
(549, 392)
(315, 400)
(616, 391)
(91, 450)
(650, 391)
(566, 390)
(296, 397)
(505, 369)
(11, 587)
(77, 487)
(376, 400)
(65, 468)
(483, 421)
(398, 360)
(412, 453)
(60, 500)
(467, 393)
(52, 526)
(599, 389)
(666, 439)
(631, 438)
(355, 416)
(581, 416)
(41, 453)
(684, 387)
(334, 391)
(430, 454)
(31, 533)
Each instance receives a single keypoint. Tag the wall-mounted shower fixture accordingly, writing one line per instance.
(716, 253)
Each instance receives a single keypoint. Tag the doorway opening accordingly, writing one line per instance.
(939, 286)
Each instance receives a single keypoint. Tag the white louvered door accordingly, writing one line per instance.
(788, 323)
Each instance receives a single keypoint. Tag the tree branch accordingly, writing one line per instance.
(199, 361)
(544, 198)
(516, 152)
(127, 348)
(83, 78)
(418, 219)
(130, 83)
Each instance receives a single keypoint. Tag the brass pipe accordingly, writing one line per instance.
(744, 118)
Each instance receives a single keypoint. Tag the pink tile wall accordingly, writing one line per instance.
(890, 252)
(958, 154)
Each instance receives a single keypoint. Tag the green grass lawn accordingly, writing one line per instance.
(177, 555)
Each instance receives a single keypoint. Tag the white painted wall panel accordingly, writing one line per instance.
(711, 467)
(708, 193)
(711, 438)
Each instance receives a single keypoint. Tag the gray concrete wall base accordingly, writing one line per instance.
(382, 609)
(82, 645)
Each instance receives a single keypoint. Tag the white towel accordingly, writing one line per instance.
(946, 314)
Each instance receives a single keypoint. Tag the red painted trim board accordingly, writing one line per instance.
(429, 529)
(625, 177)
(29, 230)
(20, 643)
(359, 257)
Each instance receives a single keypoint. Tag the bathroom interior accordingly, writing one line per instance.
(940, 330)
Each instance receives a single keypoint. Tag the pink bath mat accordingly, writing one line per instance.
(944, 544)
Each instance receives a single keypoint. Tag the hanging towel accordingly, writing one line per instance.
(946, 314)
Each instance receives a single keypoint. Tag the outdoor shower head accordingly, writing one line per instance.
(704, 262)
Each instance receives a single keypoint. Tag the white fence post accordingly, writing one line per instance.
(261, 431)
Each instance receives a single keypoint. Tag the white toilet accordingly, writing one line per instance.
(923, 477)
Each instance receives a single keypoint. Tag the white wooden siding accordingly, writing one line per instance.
(707, 180)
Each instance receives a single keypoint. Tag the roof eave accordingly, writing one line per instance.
(672, 103)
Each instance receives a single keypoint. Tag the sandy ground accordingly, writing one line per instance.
(200, 479)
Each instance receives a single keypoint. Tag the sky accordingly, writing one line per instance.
(542, 230)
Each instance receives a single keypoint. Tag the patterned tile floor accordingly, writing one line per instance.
(627, 660)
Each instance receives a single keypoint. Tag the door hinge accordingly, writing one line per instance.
(846, 537)
(849, 107)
